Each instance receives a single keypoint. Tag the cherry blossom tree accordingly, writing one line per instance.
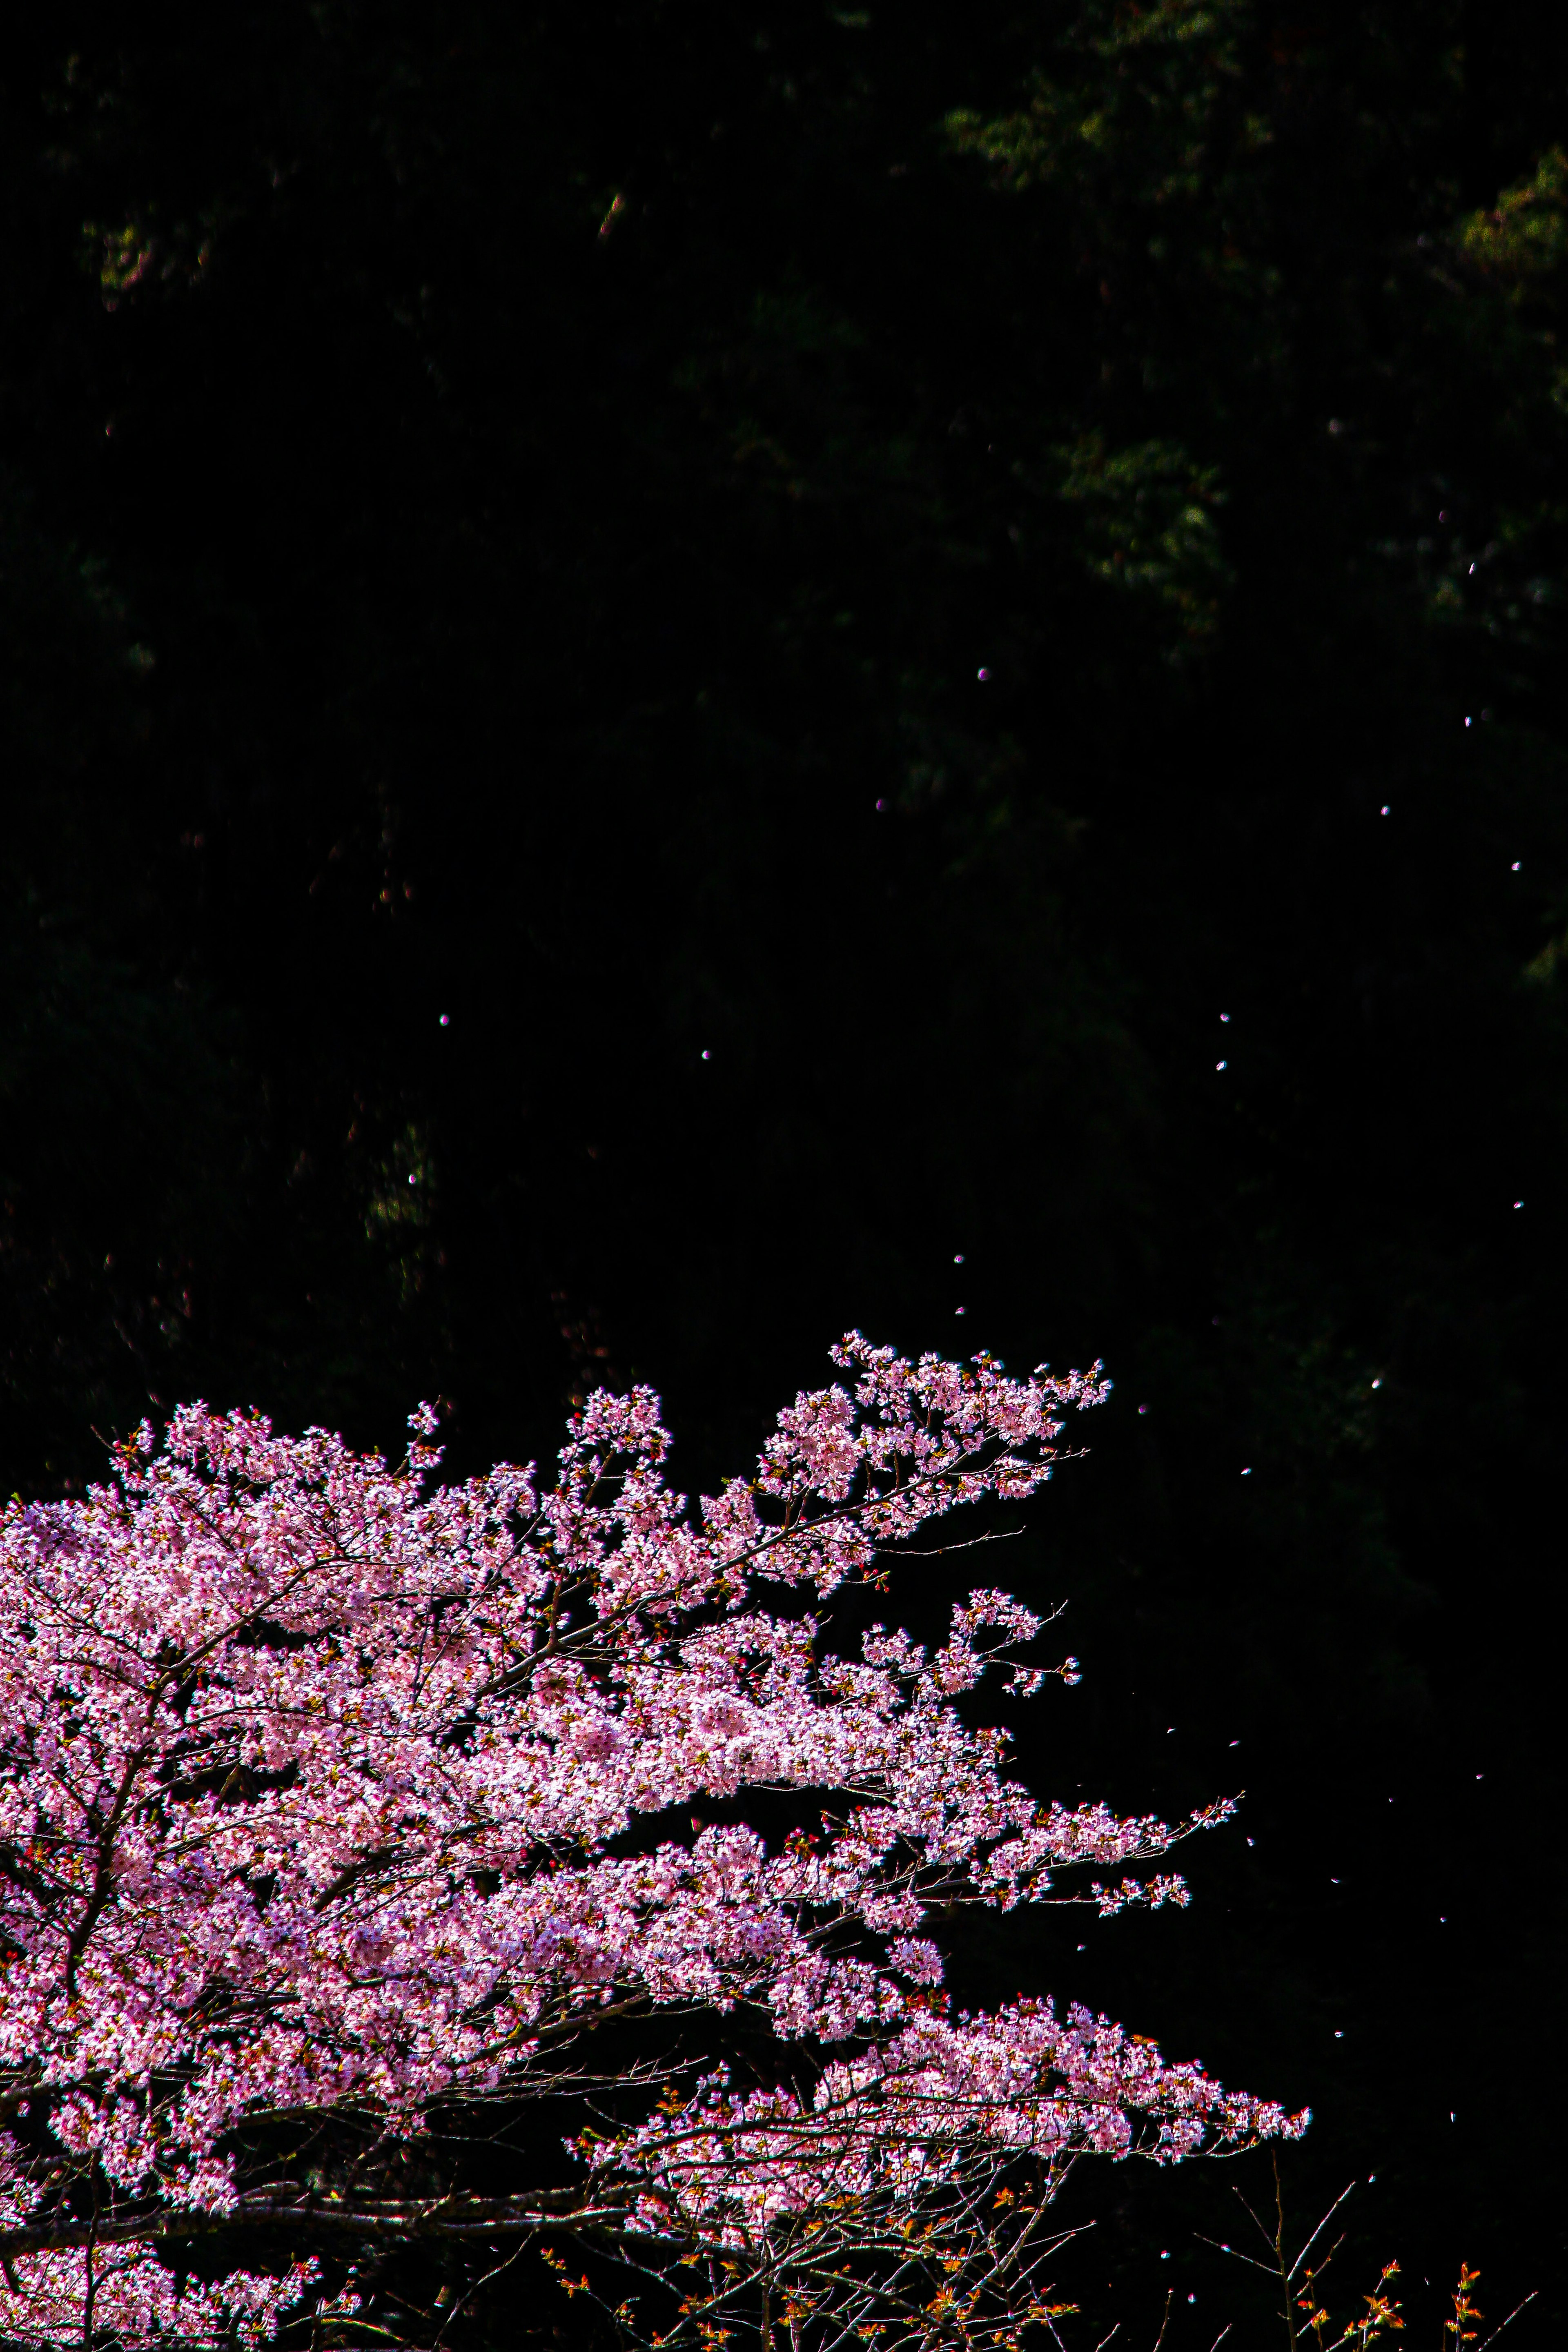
(509, 1865)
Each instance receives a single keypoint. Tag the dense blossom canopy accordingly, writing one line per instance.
(339, 1800)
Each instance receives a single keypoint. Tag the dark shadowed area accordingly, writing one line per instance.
(673, 676)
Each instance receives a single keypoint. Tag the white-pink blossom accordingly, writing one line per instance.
(329, 1792)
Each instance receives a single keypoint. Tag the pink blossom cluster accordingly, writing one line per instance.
(123, 2294)
(330, 1790)
(910, 2113)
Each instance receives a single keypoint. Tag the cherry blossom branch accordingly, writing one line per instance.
(340, 1808)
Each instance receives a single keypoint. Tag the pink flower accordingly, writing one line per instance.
(328, 1792)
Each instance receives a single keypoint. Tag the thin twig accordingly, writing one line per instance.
(1513, 2315)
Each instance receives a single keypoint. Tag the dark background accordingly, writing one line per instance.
(660, 668)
